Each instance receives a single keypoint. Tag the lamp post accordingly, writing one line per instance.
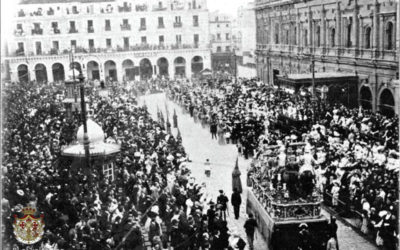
(83, 113)
(313, 99)
(73, 73)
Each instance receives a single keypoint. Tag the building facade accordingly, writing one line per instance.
(222, 43)
(245, 40)
(348, 36)
(109, 39)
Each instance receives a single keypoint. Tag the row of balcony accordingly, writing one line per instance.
(329, 51)
(137, 47)
(107, 10)
(90, 29)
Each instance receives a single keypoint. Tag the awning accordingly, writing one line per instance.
(318, 76)
(95, 149)
(323, 78)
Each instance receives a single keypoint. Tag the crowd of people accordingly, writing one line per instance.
(354, 153)
(150, 198)
(225, 109)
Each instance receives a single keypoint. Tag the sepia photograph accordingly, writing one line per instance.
(200, 124)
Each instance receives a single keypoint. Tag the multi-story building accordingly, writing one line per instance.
(117, 39)
(245, 40)
(342, 37)
(221, 42)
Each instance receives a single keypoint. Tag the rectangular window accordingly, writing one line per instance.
(178, 39)
(54, 25)
(56, 45)
(218, 36)
(227, 48)
(126, 42)
(142, 23)
(160, 22)
(73, 43)
(161, 39)
(178, 19)
(196, 21)
(91, 43)
(144, 39)
(108, 25)
(38, 48)
(219, 49)
(228, 36)
(20, 50)
(108, 43)
(19, 26)
(21, 46)
(72, 27)
(196, 38)
(124, 21)
(36, 26)
(90, 26)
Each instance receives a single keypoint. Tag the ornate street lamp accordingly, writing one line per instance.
(86, 143)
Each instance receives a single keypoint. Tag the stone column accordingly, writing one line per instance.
(310, 28)
(32, 73)
(14, 73)
(323, 29)
(375, 42)
(356, 24)
(49, 72)
(360, 43)
(298, 28)
(120, 72)
(171, 70)
(382, 35)
(338, 41)
(271, 31)
(280, 28)
(189, 69)
(102, 73)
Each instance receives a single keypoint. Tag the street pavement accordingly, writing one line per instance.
(199, 147)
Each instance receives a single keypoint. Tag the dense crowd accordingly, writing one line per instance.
(225, 109)
(353, 153)
(152, 190)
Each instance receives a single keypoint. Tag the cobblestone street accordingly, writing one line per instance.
(199, 146)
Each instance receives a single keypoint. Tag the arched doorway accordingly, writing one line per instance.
(386, 102)
(93, 71)
(76, 65)
(146, 69)
(180, 66)
(162, 64)
(128, 69)
(110, 70)
(23, 73)
(58, 72)
(40, 73)
(366, 98)
(197, 64)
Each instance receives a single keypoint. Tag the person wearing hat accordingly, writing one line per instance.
(211, 216)
(222, 201)
(250, 226)
(207, 168)
(236, 201)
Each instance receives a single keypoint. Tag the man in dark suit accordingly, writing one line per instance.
(222, 201)
(236, 200)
